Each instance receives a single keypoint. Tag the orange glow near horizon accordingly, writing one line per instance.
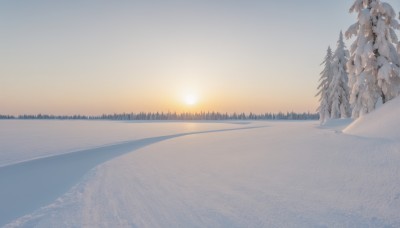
(190, 59)
(214, 97)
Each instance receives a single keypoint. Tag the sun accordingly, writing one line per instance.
(191, 99)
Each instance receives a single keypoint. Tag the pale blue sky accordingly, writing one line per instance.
(93, 56)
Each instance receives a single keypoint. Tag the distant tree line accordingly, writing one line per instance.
(7, 117)
(174, 116)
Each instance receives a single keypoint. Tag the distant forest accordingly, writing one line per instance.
(174, 116)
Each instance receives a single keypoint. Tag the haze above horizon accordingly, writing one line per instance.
(92, 57)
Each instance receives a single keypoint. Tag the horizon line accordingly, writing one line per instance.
(159, 112)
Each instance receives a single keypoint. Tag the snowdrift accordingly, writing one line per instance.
(336, 124)
(384, 122)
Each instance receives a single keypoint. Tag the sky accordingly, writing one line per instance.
(96, 56)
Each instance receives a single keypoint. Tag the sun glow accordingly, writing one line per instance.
(191, 99)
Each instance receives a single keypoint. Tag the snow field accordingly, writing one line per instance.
(290, 174)
(23, 140)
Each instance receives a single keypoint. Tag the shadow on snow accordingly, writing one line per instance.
(29, 185)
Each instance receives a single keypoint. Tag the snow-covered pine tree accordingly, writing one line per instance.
(373, 66)
(338, 87)
(324, 108)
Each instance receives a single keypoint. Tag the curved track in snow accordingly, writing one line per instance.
(27, 186)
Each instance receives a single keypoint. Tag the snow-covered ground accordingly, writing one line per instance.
(259, 174)
(382, 123)
(29, 139)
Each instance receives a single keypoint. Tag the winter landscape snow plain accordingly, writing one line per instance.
(202, 174)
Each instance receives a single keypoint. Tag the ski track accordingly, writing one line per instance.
(30, 185)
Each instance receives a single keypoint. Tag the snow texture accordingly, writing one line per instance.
(374, 75)
(280, 174)
(23, 140)
(381, 123)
